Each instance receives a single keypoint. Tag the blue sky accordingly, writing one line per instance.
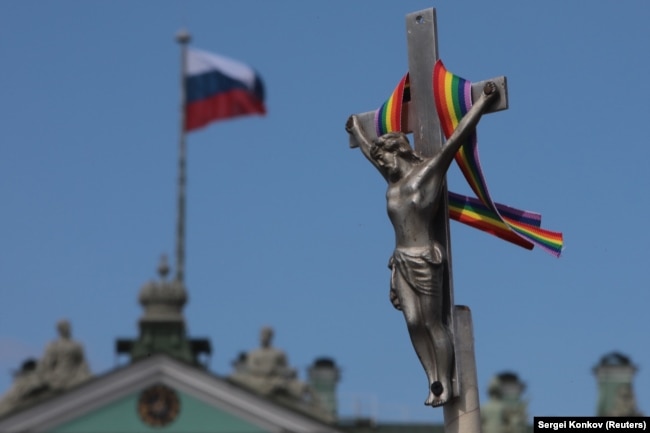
(287, 225)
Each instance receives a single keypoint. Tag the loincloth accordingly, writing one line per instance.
(421, 268)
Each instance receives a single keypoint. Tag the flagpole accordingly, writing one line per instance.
(183, 38)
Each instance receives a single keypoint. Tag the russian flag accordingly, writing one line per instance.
(219, 88)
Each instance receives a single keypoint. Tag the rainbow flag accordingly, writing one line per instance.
(453, 98)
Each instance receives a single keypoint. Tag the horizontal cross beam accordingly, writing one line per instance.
(501, 103)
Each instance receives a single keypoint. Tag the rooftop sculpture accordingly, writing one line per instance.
(62, 366)
(267, 371)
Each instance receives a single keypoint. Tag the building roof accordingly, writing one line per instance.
(201, 385)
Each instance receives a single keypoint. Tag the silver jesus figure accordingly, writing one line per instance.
(418, 263)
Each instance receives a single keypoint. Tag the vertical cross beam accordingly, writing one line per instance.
(422, 55)
(427, 134)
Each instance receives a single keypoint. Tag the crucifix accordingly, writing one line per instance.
(421, 278)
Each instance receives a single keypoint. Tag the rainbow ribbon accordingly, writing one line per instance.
(391, 116)
(453, 98)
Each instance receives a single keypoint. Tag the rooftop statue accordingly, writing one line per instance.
(62, 366)
(266, 370)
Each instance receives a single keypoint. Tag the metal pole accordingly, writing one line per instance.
(462, 414)
(183, 38)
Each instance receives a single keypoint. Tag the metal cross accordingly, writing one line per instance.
(427, 134)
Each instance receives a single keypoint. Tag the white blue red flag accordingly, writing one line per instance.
(219, 88)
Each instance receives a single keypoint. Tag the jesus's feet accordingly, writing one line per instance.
(438, 394)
